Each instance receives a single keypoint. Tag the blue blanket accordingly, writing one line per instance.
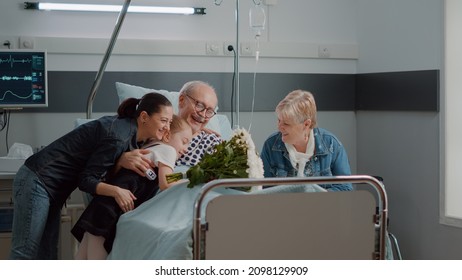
(161, 228)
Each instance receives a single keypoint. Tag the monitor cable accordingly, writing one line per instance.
(5, 123)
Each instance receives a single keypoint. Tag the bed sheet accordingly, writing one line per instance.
(161, 228)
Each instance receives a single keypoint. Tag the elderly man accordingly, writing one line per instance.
(197, 105)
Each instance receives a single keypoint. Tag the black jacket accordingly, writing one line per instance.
(82, 157)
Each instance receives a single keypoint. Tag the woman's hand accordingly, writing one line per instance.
(135, 161)
(125, 199)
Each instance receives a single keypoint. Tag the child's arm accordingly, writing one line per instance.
(163, 171)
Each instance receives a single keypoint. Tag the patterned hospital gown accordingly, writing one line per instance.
(201, 144)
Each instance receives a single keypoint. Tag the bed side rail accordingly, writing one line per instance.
(374, 183)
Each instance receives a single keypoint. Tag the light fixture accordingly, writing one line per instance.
(112, 8)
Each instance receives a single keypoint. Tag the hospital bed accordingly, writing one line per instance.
(294, 219)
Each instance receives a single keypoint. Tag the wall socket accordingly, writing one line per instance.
(26, 42)
(226, 51)
(213, 48)
(247, 49)
(323, 51)
(11, 42)
(8, 42)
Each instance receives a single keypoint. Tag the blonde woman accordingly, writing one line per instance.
(300, 148)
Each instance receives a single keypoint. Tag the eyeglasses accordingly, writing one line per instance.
(200, 107)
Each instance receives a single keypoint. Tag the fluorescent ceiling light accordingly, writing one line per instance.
(112, 8)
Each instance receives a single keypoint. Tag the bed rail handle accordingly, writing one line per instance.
(370, 180)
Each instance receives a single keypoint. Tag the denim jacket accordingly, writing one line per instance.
(329, 159)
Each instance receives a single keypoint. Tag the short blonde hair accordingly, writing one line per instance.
(178, 124)
(299, 106)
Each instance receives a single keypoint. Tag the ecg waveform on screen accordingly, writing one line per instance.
(23, 79)
(14, 78)
(33, 96)
(12, 61)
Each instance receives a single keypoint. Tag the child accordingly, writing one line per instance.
(96, 227)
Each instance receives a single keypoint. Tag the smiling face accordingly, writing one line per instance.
(201, 96)
(296, 117)
(292, 131)
(156, 125)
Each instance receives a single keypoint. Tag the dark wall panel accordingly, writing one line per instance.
(69, 90)
(333, 92)
(398, 91)
(407, 91)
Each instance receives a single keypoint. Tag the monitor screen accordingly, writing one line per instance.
(23, 79)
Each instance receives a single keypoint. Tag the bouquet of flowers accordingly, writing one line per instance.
(235, 158)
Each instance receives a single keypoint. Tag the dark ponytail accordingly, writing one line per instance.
(150, 102)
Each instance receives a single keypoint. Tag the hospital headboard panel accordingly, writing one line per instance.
(328, 225)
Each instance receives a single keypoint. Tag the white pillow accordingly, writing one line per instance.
(125, 91)
(218, 123)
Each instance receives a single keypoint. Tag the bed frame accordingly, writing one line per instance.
(319, 225)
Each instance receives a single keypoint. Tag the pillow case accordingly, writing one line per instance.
(125, 91)
(219, 123)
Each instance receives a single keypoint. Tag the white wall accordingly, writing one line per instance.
(290, 23)
(329, 21)
(451, 208)
(404, 147)
(399, 35)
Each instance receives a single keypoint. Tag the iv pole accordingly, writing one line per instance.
(236, 70)
(103, 65)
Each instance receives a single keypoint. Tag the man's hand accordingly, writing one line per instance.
(210, 131)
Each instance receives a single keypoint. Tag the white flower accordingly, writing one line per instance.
(254, 162)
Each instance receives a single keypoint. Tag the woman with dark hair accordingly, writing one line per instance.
(81, 158)
(96, 227)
